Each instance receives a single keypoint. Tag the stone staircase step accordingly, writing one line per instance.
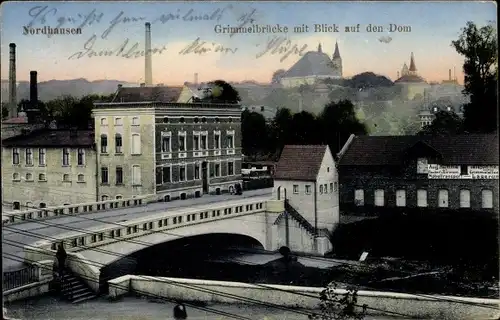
(84, 297)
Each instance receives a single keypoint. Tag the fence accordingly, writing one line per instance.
(19, 278)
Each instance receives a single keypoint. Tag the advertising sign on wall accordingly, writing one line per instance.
(436, 171)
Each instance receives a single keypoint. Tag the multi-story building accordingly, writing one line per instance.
(148, 144)
(438, 172)
(48, 168)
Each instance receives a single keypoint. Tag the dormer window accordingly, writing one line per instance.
(422, 165)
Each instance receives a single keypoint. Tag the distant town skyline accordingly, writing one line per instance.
(433, 26)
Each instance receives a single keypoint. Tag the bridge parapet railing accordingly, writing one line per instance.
(74, 209)
(159, 222)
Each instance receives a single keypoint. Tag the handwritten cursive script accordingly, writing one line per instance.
(120, 18)
(245, 19)
(125, 50)
(282, 46)
(41, 14)
(192, 16)
(201, 47)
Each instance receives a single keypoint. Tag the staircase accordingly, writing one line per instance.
(75, 290)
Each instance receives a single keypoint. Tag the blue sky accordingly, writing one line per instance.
(434, 25)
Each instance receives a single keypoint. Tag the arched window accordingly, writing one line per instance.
(43, 205)
(104, 143)
(104, 197)
(81, 178)
(443, 198)
(16, 205)
(487, 199)
(15, 176)
(118, 143)
(464, 198)
(118, 197)
(29, 177)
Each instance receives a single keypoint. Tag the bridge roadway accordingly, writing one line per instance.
(19, 234)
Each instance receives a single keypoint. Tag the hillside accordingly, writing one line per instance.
(48, 90)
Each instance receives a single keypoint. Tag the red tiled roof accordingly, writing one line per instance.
(143, 94)
(464, 149)
(300, 162)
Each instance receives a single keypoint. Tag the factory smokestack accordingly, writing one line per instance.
(33, 90)
(196, 78)
(449, 74)
(12, 82)
(148, 76)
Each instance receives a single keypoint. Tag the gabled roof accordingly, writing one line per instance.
(143, 94)
(313, 63)
(300, 162)
(464, 149)
(413, 78)
(52, 138)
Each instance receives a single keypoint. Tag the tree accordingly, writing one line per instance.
(445, 122)
(336, 306)
(304, 129)
(255, 133)
(277, 76)
(281, 128)
(5, 111)
(337, 122)
(219, 91)
(479, 47)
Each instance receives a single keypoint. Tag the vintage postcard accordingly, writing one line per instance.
(249, 160)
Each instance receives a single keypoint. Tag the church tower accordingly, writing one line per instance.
(337, 61)
(413, 67)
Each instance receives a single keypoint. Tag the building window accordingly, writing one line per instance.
(335, 186)
(196, 141)
(443, 198)
(230, 168)
(182, 120)
(15, 176)
(182, 173)
(165, 119)
(464, 198)
(165, 144)
(182, 141)
(217, 140)
(422, 198)
(359, 197)
(136, 144)
(29, 205)
(308, 189)
(16, 205)
(15, 155)
(379, 198)
(81, 178)
(166, 174)
(104, 198)
(158, 176)
(66, 177)
(118, 122)
(230, 141)
(320, 189)
(295, 188)
(400, 198)
(81, 157)
(217, 170)
(135, 121)
(118, 197)
(331, 187)
(43, 205)
(422, 165)
(29, 156)
(196, 171)
(203, 142)
(119, 175)
(118, 143)
(41, 177)
(487, 199)
(464, 170)
(42, 157)
(29, 177)
(104, 121)
(104, 175)
(65, 157)
(104, 143)
(136, 175)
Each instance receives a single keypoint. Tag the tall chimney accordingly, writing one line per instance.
(196, 78)
(12, 82)
(449, 74)
(148, 78)
(33, 90)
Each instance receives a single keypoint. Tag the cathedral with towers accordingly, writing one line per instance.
(313, 66)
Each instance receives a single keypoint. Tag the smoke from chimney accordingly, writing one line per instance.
(148, 77)
(33, 90)
(12, 82)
